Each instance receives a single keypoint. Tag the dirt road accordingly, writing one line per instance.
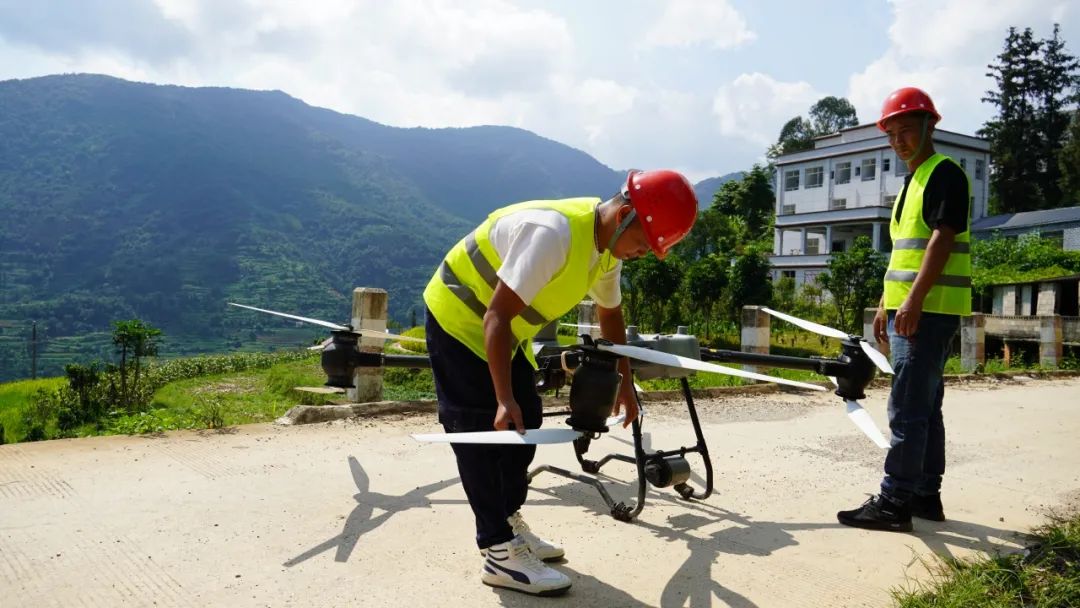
(357, 514)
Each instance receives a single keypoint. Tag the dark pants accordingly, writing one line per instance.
(494, 476)
(916, 460)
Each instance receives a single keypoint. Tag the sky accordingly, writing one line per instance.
(700, 86)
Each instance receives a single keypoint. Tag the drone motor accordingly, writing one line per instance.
(593, 391)
(667, 471)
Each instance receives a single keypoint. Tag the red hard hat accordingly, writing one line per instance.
(907, 99)
(665, 204)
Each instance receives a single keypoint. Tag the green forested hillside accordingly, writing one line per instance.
(123, 200)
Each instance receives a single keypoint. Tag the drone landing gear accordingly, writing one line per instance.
(660, 468)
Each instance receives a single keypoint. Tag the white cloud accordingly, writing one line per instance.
(944, 48)
(688, 22)
(755, 106)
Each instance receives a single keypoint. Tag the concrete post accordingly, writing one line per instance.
(877, 236)
(828, 240)
(1046, 304)
(368, 312)
(1050, 341)
(586, 315)
(1008, 301)
(972, 341)
(802, 241)
(868, 331)
(1025, 300)
(755, 333)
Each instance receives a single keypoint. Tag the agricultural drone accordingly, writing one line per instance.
(590, 368)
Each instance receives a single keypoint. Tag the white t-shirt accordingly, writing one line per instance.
(533, 245)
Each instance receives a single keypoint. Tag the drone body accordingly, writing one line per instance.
(590, 368)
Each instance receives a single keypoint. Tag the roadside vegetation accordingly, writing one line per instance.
(1045, 575)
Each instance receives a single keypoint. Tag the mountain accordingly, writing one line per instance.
(128, 200)
(706, 188)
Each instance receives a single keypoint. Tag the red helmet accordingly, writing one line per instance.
(907, 99)
(665, 204)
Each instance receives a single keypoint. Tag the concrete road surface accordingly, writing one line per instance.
(357, 514)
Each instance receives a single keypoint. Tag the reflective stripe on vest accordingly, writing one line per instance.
(951, 292)
(462, 287)
(488, 273)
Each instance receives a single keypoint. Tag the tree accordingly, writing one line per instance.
(751, 202)
(704, 285)
(1036, 81)
(750, 282)
(1069, 163)
(828, 115)
(1056, 83)
(654, 282)
(136, 339)
(855, 281)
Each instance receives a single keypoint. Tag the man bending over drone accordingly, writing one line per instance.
(525, 266)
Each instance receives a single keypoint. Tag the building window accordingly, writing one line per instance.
(787, 274)
(963, 164)
(869, 169)
(889, 200)
(788, 210)
(843, 172)
(815, 177)
(901, 168)
(885, 165)
(838, 247)
(791, 180)
(812, 247)
(1056, 237)
(838, 203)
(979, 168)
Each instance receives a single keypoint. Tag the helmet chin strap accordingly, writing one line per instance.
(621, 229)
(922, 139)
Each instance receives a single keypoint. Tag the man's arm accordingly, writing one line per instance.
(499, 344)
(613, 329)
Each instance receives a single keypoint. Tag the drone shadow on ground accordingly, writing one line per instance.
(695, 584)
(361, 520)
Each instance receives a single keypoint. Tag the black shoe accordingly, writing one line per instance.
(927, 507)
(878, 513)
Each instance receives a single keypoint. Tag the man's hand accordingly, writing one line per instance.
(509, 412)
(629, 401)
(907, 317)
(881, 326)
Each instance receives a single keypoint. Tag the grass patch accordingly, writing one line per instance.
(15, 398)
(1047, 575)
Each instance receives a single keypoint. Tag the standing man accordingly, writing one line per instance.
(525, 266)
(927, 290)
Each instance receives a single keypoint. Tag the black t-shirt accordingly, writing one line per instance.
(946, 198)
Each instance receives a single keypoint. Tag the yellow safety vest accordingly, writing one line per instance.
(461, 289)
(951, 293)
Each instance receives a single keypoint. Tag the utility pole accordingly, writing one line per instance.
(33, 351)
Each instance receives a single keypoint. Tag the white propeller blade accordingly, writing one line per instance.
(808, 325)
(531, 437)
(287, 316)
(367, 333)
(862, 419)
(670, 360)
(878, 357)
(321, 390)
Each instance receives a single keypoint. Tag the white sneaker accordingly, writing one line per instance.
(512, 565)
(540, 547)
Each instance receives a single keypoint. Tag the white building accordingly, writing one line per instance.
(845, 188)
